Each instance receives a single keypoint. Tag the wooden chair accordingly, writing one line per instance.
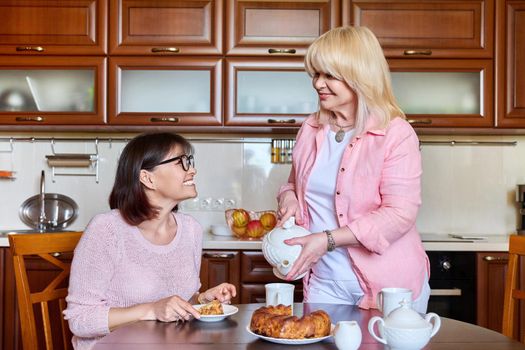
(512, 291)
(49, 247)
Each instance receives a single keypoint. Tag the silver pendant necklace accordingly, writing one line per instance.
(339, 135)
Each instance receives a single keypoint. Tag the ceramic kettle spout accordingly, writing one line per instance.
(284, 267)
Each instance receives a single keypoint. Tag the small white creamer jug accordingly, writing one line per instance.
(347, 335)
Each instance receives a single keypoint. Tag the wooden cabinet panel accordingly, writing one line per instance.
(166, 27)
(491, 272)
(218, 267)
(53, 27)
(271, 92)
(277, 27)
(255, 268)
(52, 93)
(165, 91)
(451, 29)
(510, 64)
(482, 93)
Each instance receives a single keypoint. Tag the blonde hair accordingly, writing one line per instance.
(354, 55)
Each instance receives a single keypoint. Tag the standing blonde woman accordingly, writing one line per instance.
(355, 179)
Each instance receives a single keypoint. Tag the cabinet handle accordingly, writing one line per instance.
(290, 51)
(417, 52)
(495, 258)
(30, 48)
(281, 121)
(453, 292)
(419, 121)
(30, 119)
(219, 255)
(164, 120)
(166, 49)
(57, 254)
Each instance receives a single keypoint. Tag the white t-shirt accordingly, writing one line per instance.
(320, 198)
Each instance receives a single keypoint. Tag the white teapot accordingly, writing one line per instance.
(404, 328)
(279, 254)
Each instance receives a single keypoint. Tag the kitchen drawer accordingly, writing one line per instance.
(255, 293)
(254, 268)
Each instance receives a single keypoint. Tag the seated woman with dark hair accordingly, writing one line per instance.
(141, 260)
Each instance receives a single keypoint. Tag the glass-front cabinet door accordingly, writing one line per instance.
(165, 91)
(52, 90)
(268, 92)
(444, 93)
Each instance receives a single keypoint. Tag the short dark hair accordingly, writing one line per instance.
(143, 152)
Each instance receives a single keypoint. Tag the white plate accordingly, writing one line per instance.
(221, 230)
(291, 341)
(228, 311)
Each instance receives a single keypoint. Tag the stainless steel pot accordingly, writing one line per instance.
(48, 211)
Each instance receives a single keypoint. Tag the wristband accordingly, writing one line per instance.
(330, 246)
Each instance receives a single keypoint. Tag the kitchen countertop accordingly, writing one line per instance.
(431, 242)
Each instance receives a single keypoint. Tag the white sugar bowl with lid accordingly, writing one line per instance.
(404, 328)
(279, 254)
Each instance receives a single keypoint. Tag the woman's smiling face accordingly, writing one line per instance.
(334, 94)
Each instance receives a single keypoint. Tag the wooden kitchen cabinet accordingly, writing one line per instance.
(491, 273)
(442, 29)
(255, 273)
(40, 273)
(510, 64)
(219, 266)
(165, 91)
(54, 27)
(444, 92)
(52, 90)
(275, 92)
(166, 27)
(285, 27)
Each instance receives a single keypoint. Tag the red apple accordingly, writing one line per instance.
(240, 217)
(254, 229)
(268, 221)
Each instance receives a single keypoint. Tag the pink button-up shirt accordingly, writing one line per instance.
(377, 196)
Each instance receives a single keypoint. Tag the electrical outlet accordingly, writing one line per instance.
(206, 203)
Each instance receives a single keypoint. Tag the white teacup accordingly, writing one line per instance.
(279, 293)
(388, 299)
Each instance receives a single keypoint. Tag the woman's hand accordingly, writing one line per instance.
(314, 247)
(171, 309)
(224, 292)
(288, 206)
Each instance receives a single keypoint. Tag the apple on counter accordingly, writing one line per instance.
(249, 224)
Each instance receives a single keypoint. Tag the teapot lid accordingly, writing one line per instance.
(288, 230)
(405, 317)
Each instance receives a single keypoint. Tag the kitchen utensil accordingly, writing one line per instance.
(404, 328)
(347, 335)
(388, 299)
(229, 310)
(60, 211)
(279, 254)
(279, 293)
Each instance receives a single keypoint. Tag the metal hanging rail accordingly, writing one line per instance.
(469, 143)
(126, 139)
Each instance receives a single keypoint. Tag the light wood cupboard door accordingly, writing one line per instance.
(175, 91)
(166, 27)
(271, 92)
(266, 27)
(444, 92)
(218, 267)
(54, 90)
(30, 27)
(405, 28)
(510, 64)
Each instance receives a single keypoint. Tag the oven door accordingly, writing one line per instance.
(453, 299)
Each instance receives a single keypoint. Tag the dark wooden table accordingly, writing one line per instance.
(231, 333)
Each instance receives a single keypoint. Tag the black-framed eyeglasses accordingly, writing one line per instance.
(185, 161)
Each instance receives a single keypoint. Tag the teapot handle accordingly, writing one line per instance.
(371, 323)
(437, 322)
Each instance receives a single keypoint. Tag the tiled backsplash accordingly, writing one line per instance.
(466, 189)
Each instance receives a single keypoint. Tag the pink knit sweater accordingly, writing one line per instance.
(115, 266)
